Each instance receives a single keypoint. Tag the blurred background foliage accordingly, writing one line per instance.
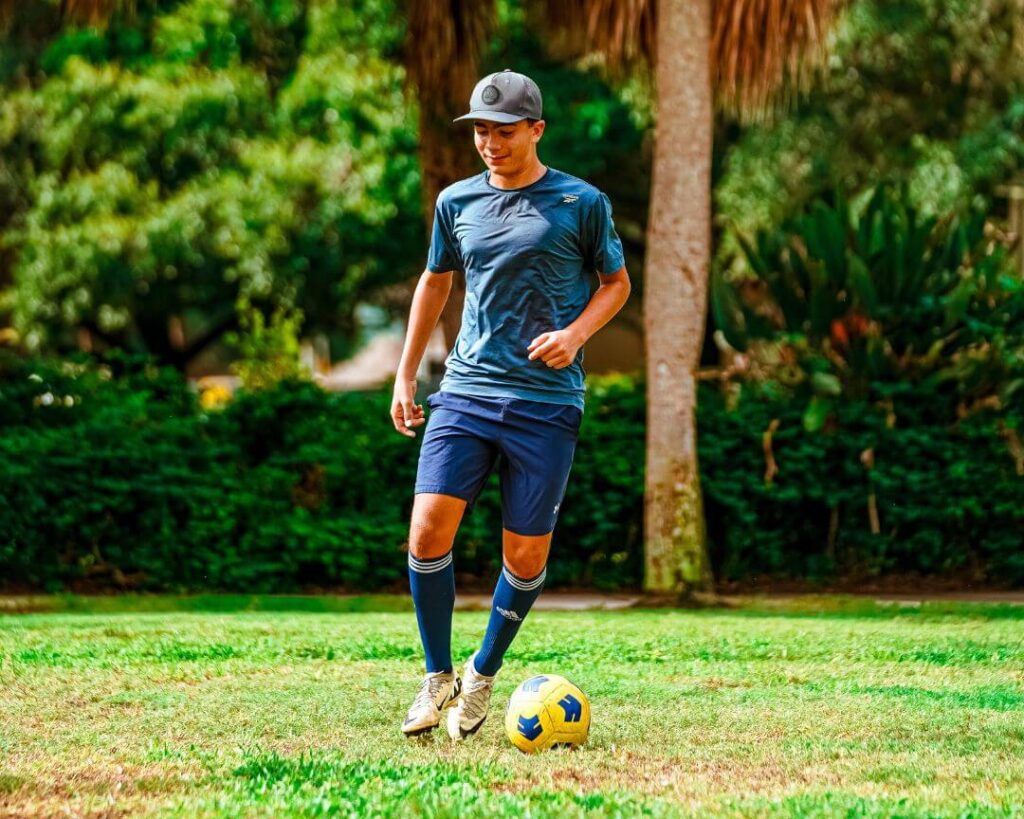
(119, 477)
(196, 157)
(924, 92)
(200, 158)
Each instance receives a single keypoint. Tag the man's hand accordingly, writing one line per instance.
(557, 349)
(405, 412)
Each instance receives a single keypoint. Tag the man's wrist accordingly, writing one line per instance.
(579, 335)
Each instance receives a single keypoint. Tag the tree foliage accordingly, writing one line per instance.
(929, 93)
(199, 156)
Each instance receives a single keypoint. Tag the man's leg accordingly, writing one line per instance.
(435, 520)
(522, 577)
(537, 442)
(457, 453)
(519, 585)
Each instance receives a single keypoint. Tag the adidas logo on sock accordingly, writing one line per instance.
(510, 615)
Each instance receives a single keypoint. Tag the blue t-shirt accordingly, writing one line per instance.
(527, 254)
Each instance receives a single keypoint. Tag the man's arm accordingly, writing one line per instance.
(427, 303)
(558, 348)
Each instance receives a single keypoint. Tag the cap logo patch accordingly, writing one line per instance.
(490, 95)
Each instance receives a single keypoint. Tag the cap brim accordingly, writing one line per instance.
(492, 116)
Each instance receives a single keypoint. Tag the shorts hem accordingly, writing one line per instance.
(527, 534)
(441, 490)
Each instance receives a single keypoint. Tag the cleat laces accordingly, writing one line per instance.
(431, 686)
(476, 696)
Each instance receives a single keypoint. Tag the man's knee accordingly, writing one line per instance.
(435, 520)
(526, 555)
(428, 540)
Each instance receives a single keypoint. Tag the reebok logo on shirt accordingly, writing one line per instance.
(569, 198)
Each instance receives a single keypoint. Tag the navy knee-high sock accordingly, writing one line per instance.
(513, 598)
(432, 582)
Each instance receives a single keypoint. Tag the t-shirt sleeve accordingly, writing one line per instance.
(601, 244)
(444, 253)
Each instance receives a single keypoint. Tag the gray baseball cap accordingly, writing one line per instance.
(505, 96)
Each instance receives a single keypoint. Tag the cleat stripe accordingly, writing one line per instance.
(470, 731)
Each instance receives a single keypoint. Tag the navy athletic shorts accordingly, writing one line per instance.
(533, 443)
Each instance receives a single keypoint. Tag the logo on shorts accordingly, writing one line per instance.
(556, 508)
(509, 615)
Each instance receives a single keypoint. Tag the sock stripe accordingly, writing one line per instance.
(429, 561)
(524, 585)
(430, 566)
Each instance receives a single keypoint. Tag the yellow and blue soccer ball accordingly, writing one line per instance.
(547, 711)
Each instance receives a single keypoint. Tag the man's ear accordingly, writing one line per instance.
(538, 130)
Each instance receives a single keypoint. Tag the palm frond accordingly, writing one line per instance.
(7, 9)
(93, 12)
(442, 51)
(622, 32)
(81, 12)
(759, 47)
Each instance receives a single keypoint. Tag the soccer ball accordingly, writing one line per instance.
(547, 711)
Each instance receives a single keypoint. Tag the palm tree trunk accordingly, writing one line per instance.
(675, 295)
(446, 155)
(442, 55)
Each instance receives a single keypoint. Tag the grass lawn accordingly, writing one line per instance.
(827, 707)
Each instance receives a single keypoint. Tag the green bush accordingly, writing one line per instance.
(117, 477)
(946, 499)
(887, 347)
(126, 480)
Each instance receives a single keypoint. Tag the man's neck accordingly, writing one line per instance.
(520, 180)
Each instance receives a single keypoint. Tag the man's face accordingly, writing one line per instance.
(507, 149)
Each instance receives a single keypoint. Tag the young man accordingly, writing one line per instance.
(528, 237)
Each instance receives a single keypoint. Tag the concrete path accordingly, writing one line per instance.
(554, 602)
(558, 601)
(1013, 598)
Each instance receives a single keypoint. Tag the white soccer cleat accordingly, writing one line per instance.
(439, 690)
(470, 712)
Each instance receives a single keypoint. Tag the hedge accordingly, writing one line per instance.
(125, 480)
